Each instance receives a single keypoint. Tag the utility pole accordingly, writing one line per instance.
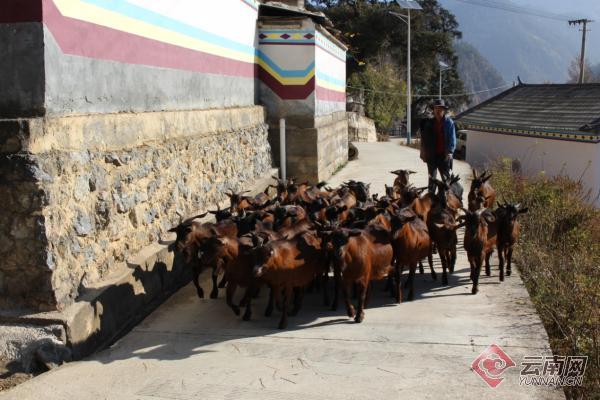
(583, 22)
(407, 5)
(443, 67)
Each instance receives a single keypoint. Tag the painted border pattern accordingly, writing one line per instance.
(298, 84)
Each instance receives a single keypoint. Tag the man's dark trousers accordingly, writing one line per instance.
(439, 163)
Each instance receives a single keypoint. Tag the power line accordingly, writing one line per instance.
(430, 95)
(501, 5)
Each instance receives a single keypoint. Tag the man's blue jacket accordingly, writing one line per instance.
(428, 137)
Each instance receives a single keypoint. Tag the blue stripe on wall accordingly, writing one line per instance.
(150, 17)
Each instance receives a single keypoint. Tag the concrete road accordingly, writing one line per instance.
(197, 349)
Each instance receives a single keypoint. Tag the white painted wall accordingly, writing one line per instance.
(231, 19)
(575, 159)
(330, 61)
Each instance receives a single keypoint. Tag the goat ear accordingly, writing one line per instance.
(440, 226)
(474, 174)
(524, 210)
(487, 177)
(173, 229)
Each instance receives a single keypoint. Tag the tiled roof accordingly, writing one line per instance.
(570, 112)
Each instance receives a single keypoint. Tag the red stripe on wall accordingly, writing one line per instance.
(13, 11)
(287, 92)
(330, 95)
(85, 39)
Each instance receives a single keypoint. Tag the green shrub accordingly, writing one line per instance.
(559, 260)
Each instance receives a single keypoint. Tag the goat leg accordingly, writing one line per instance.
(509, 261)
(196, 281)
(430, 261)
(362, 294)
(269, 309)
(298, 297)
(215, 290)
(287, 294)
(368, 295)
(477, 271)
(248, 313)
(398, 283)
(444, 261)
(421, 269)
(452, 259)
(501, 258)
(349, 307)
(229, 296)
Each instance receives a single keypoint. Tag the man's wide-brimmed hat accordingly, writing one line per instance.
(439, 103)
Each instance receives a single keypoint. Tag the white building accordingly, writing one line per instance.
(549, 128)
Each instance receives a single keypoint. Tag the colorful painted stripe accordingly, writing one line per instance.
(330, 82)
(286, 37)
(81, 38)
(287, 92)
(325, 94)
(127, 17)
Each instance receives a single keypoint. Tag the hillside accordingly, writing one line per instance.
(536, 49)
(477, 73)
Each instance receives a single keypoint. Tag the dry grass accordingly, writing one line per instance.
(559, 260)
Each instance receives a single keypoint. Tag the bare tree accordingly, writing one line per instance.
(589, 77)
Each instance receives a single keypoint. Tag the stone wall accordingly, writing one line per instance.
(361, 128)
(72, 210)
(314, 154)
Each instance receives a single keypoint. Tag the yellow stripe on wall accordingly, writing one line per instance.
(100, 16)
(281, 79)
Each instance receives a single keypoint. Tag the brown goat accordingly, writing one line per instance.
(238, 201)
(233, 255)
(184, 228)
(442, 230)
(402, 179)
(287, 264)
(508, 233)
(481, 189)
(360, 256)
(411, 243)
(192, 250)
(479, 242)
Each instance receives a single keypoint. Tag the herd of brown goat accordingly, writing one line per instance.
(295, 238)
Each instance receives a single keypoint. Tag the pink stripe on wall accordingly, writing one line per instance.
(330, 95)
(85, 39)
